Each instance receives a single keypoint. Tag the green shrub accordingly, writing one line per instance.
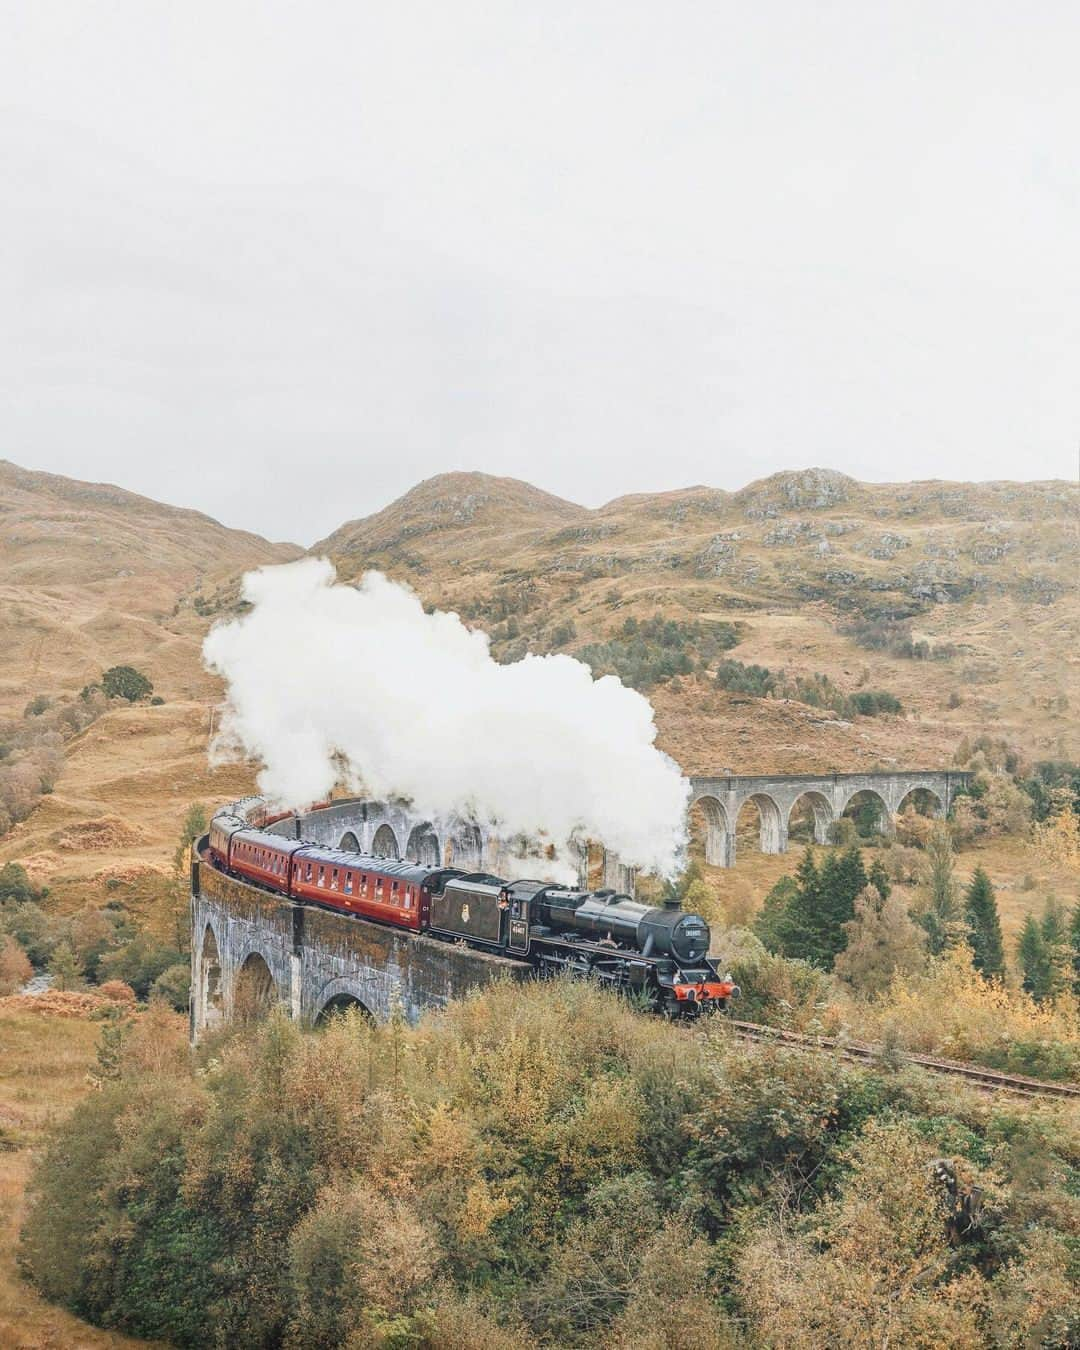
(816, 690)
(15, 884)
(126, 682)
(173, 986)
(35, 932)
(647, 652)
(139, 962)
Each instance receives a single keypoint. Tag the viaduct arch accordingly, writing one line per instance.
(826, 795)
(253, 951)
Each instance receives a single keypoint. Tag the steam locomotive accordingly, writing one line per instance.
(656, 954)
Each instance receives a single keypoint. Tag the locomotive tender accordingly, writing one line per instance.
(657, 954)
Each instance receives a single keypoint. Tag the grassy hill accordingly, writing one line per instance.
(817, 573)
(92, 576)
(799, 571)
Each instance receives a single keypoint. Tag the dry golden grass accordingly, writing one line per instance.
(126, 784)
(44, 1066)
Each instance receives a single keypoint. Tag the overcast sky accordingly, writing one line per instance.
(282, 260)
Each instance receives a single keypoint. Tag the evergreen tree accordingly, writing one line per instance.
(879, 879)
(1056, 940)
(799, 931)
(984, 926)
(126, 682)
(940, 914)
(770, 925)
(806, 876)
(843, 879)
(1074, 940)
(1053, 922)
(1033, 962)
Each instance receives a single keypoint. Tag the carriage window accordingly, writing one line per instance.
(378, 888)
(348, 883)
(307, 871)
(334, 880)
(322, 876)
(363, 883)
(408, 897)
(395, 899)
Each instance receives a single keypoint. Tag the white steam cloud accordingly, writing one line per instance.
(326, 680)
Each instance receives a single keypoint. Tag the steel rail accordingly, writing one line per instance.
(980, 1077)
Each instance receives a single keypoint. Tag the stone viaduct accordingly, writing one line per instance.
(395, 830)
(252, 949)
(827, 796)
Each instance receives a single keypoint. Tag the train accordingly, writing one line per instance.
(657, 955)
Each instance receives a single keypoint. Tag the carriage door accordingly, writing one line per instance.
(518, 934)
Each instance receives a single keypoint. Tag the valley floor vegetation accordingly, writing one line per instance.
(540, 1165)
(102, 943)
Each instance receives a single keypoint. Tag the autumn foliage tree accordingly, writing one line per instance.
(15, 967)
(539, 1165)
(882, 943)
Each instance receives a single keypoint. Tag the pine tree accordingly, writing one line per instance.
(1056, 941)
(879, 879)
(770, 925)
(807, 878)
(984, 926)
(1032, 953)
(799, 931)
(1074, 939)
(1075, 947)
(841, 883)
(1053, 922)
(940, 914)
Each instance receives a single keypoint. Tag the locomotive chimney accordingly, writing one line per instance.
(673, 902)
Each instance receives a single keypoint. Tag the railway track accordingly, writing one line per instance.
(988, 1080)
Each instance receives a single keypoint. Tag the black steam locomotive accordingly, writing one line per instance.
(656, 954)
